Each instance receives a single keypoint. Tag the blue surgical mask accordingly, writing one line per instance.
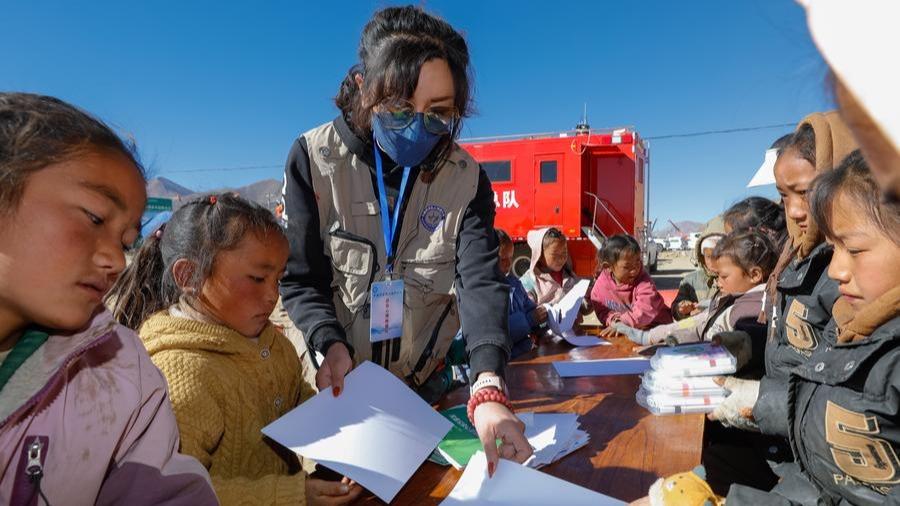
(408, 146)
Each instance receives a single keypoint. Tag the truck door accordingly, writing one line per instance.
(548, 188)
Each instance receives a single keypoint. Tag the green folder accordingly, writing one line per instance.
(460, 443)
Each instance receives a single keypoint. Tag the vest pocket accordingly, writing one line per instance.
(431, 275)
(353, 266)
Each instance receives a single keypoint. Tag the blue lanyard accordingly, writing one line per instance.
(389, 226)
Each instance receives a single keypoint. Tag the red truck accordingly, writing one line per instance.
(588, 183)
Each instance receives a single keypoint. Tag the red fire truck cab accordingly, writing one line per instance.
(587, 183)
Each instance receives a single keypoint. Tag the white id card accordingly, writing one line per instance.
(386, 320)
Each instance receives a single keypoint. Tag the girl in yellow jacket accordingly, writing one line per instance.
(201, 290)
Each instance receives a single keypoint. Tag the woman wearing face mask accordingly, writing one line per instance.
(382, 201)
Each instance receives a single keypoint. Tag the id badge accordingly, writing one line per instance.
(386, 318)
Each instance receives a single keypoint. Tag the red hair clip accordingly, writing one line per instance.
(212, 199)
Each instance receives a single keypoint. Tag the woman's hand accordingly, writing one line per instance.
(336, 365)
(494, 421)
(331, 493)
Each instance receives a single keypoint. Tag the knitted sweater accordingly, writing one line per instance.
(224, 389)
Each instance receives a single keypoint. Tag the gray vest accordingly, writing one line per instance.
(350, 228)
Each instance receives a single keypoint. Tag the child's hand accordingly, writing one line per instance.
(611, 320)
(331, 493)
(336, 365)
(539, 315)
(609, 331)
(686, 308)
(737, 409)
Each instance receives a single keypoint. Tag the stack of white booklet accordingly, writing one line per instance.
(552, 435)
(681, 379)
(562, 315)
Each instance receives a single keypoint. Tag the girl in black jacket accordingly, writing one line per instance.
(844, 403)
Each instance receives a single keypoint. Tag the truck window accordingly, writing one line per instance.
(499, 171)
(548, 171)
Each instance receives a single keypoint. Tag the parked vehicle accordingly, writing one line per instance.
(588, 183)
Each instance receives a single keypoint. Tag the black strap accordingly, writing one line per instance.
(429, 348)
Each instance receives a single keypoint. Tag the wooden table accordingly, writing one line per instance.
(629, 448)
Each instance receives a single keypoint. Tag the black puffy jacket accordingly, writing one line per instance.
(805, 297)
(843, 424)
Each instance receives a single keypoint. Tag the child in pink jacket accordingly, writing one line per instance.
(624, 291)
(550, 274)
(85, 416)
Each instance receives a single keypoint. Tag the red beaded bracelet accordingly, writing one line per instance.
(485, 395)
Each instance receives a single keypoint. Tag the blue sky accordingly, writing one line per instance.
(207, 85)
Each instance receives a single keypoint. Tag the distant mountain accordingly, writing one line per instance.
(686, 226)
(266, 192)
(162, 187)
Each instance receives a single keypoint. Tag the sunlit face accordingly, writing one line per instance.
(712, 265)
(435, 91)
(627, 268)
(793, 176)
(63, 247)
(556, 255)
(506, 256)
(707, 257)
(734, 280)
(435, 87)
(866, 263)
(242, 289)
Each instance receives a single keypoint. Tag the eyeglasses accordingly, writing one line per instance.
(397, 114)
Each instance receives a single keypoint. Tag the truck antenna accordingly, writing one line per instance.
(583, 127)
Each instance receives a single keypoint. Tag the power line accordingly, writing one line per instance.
(224, 169)
(652, 138)
(724, 131)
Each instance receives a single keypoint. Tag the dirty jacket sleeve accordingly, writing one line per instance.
(771, 408)
(148, 468)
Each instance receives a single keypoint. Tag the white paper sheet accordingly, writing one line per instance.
(553, 436)
(602, 367)
(377, 432)
(561, 316)
(574, 340)
(516, 485)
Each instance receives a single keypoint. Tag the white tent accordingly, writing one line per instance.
(766, 172)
